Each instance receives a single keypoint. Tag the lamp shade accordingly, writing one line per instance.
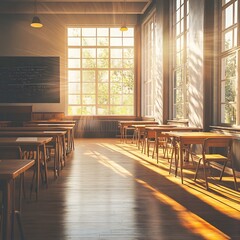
(123, 28)
(36, 23)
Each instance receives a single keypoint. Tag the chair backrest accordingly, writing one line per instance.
(150, 134)
(10, 152)
(223, 143)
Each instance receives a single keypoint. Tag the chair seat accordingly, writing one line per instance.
(213, 157)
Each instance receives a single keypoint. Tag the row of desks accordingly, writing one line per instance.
(182, 137)
(34, 136)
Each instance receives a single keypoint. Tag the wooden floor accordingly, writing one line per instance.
(110, 190)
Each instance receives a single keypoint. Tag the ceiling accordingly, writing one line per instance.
(74, 6)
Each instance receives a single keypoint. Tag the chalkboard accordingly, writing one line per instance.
(29, 80)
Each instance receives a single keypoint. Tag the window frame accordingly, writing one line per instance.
(132, 70)
(223, 54)
(148, 72)
(183, 65)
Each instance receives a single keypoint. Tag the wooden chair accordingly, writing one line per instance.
(208, 156)
(129, 131)
(148, 140)
(14, 152)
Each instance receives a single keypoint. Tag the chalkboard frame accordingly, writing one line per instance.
(29, 79)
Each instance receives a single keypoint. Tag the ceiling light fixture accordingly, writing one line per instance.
(36, 23)
(124, 28)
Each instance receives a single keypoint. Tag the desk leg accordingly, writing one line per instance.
(63, 149)
(181, 162)
(7, 210)
(37, 171)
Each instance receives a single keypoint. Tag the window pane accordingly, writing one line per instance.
(116, 53)
(74, 99)
(103, 76)
(89, 32)
(73, 88)
(102, 53)
(87, 41)
(73, 76)
(128, 42)
(74, 52)
(74, 42)
(116, 42)
(74, 32)
(228, 40)
(89, 53)
(74, 63)
(228, 16)
(88, 99)
(102, 32)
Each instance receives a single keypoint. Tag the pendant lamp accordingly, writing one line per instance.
(124, 28)
(36, 23)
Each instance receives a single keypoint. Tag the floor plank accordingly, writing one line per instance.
(110, 190)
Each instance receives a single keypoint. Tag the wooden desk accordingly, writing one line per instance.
(159, 130)
(35, 143)
(9, 170)
(139, 130)
(49, 124)
(69, 135)
(58, 141)
(52, 121)
(125, 124)
(188, 138)
(69, 127)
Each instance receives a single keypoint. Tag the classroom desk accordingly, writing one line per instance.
(69, 135)
(125, 124)
(35, 144)
(52, 121)
(9, 170)
(58, 141)
(159, 130)
(140, 130)
(68, 126)
(182, 139)
(49, 124)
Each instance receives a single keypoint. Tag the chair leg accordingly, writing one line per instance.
(197, 168)
(234, 177)
(205, 174)
(222, 172)
(171, 159)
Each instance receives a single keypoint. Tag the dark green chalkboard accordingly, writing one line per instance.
(29, 79)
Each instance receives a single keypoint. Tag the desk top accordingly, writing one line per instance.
(53, 121)
(137, 122)
(10, 169)
(198, 135)
(49, 124)
(31, 133)
(146, 125)
(36, 128)
(20, 141)
(173, 128)
(195, 137)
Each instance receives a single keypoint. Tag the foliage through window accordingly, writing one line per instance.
(149, 65)
(180, 59)
(228, 61)
(100, 71)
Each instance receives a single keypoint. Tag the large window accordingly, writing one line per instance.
(149, 65)
(229, 59)
(180, 59)
(100, 71)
